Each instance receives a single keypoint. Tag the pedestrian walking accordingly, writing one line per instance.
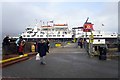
(42, 49)
(81, 43)
(48, 45)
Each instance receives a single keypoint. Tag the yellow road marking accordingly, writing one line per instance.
(10, 59)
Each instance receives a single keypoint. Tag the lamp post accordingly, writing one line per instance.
(91, 43)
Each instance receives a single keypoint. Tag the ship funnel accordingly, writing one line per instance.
(88, 26)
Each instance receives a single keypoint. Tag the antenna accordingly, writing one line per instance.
(87, 20)
(36, 21)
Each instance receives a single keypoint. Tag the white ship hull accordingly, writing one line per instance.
(61, 31)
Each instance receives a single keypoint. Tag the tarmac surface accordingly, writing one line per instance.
(64, 62)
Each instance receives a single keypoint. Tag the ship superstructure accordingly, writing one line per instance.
(100, 37)
(78, 32)
(47, 31)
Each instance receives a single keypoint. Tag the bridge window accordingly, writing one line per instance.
(28, 35)
(24, 35)
(58, 35)
(58, 32)
(37, 35)
(54, 35)
(29, 32)
(64, 32)
(50, 35)
(41, 35)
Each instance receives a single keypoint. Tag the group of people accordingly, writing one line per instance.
(19, 43)
(42, 47)
(82, 43)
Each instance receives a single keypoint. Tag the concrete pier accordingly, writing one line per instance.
(64, 62)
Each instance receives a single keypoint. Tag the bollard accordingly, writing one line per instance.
(118, 47)
(33, 48)
(68, 43)
(58, 44)
(102, 55)
(95, 48)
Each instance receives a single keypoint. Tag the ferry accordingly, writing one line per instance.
(54, 31)
(63, 33)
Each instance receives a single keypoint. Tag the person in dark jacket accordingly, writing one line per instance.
(6, 44)
(81, 43)
(48, 45)
(42, 49)
(78, 43)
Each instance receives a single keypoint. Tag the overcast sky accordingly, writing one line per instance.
(119, 18)
(17, 15)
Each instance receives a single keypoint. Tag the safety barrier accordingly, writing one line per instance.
(12, 49)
